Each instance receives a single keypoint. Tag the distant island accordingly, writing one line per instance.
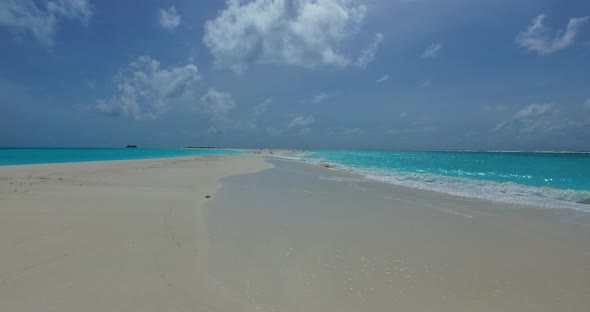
(131, 146)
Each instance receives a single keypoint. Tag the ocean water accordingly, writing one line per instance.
(22, 156)
(552, 180)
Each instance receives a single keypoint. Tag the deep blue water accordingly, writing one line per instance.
(545, 179)
(22, 156)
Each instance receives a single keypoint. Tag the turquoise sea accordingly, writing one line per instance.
(555, 180)
(22, 156)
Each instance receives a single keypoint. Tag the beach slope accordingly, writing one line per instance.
(299, 237)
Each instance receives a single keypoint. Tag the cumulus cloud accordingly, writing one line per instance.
(303, 33)
(40, 20)
(432, 50)
(145, 90)
(169, 19)
(544, 41)
(382, 79)
(217, 102)
(220, 104)
(301, 122)
(368, 55)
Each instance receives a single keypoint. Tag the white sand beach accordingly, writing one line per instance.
(275, 235)
(111, 236)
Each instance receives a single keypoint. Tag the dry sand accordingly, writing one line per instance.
(111, 236)
(141, 236)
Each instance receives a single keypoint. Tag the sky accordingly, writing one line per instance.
(322, 74)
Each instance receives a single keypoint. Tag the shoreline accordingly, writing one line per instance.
(338, 172)
(298, 237)
(45, 156)
(507, 192)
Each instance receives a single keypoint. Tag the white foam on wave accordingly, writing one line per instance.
(506, 192)
(290, 156)
(287, 157)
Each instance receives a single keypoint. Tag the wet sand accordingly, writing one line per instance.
(298, 237)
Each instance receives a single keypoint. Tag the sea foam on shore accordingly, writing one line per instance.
(532, 179)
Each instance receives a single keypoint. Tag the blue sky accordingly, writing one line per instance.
(407, 74)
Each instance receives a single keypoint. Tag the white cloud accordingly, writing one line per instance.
(217, 102)
(544, 41)
(426, 83)
(300, 125)
(318, 98)
(540, 120)
(40, 21)
(145, 90)
(72, 9)
(432, 50)
(169, 19)
(531, 118)
(368, 55)
(382, 79)
(403, 115)
(261, 108)
(533, 110)
(301, 122)
(587, 104)
(288, 32)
